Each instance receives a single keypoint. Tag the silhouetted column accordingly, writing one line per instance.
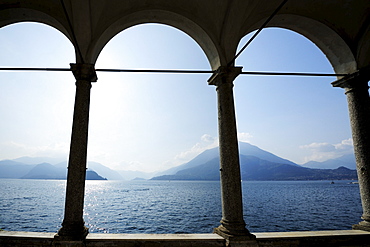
(356, 89)
(73, 226)
(232, 223)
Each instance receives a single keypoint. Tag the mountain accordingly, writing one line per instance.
(38, 160)
(251, 150)
(104, 171)
(48, 171)
(45, 171)
(200, 159)
(13, 169)
(256, 164)
(92, 175)
(244, 149)
(254, 168)
(345, 160)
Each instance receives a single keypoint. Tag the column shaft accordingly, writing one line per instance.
(73, 224)
(232, 222)
(359, 112)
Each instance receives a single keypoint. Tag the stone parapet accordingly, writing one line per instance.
(338, 238)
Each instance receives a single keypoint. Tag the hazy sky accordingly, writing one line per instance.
(155, 121)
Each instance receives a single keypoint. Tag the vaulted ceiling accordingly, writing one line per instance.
(340, 28)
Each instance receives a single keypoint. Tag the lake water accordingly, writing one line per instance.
(180, 206)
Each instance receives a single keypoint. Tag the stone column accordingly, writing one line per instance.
(356, 89)
(73, 226)
(232, 223)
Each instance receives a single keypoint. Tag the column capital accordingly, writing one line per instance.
(84, 71)
(224, 74)
(355, 80)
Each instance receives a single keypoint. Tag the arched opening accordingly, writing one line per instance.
(36, 111)
(297, 118)
(36, 104)
(142, 123)
(337, 51)
(165, 17)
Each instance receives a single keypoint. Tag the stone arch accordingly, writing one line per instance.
(175, 20)
(326, 39)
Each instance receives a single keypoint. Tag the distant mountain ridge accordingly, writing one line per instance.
(347, 160)
(45, 171)
(13, 169)
(38, 160)
(102, 170)
(255, 164)
(244, 149)
(254, 168)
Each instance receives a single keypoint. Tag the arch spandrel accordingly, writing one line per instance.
(16, 15)
(199, 35)
(363, 52)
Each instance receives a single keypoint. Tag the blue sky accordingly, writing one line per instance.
(152, 122)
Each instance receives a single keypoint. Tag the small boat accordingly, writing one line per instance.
(332, 182)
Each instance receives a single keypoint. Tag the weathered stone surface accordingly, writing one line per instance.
(356, 88)
(264, 239)
(232, 222)
(73, 224)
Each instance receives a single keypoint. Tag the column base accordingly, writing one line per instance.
(72, 233)
(363, 225)
(234, 234)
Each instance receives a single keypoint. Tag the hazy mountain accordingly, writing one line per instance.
(45, 171)
(251, 150)
(347, 161)
(92, 175)
(98, 168)
(13, 169)
(256, 164)
(110, 174)
(130, 175)
(254, 168)
(200, 159)
(48, 171)
(16, 169)
(244, 149)
(104, 171)
(39, 160)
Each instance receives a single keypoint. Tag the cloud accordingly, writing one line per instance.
(244, 137)
(320, 147)
(345, 145)
(325, 151)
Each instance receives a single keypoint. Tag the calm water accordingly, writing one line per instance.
(180, 207)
